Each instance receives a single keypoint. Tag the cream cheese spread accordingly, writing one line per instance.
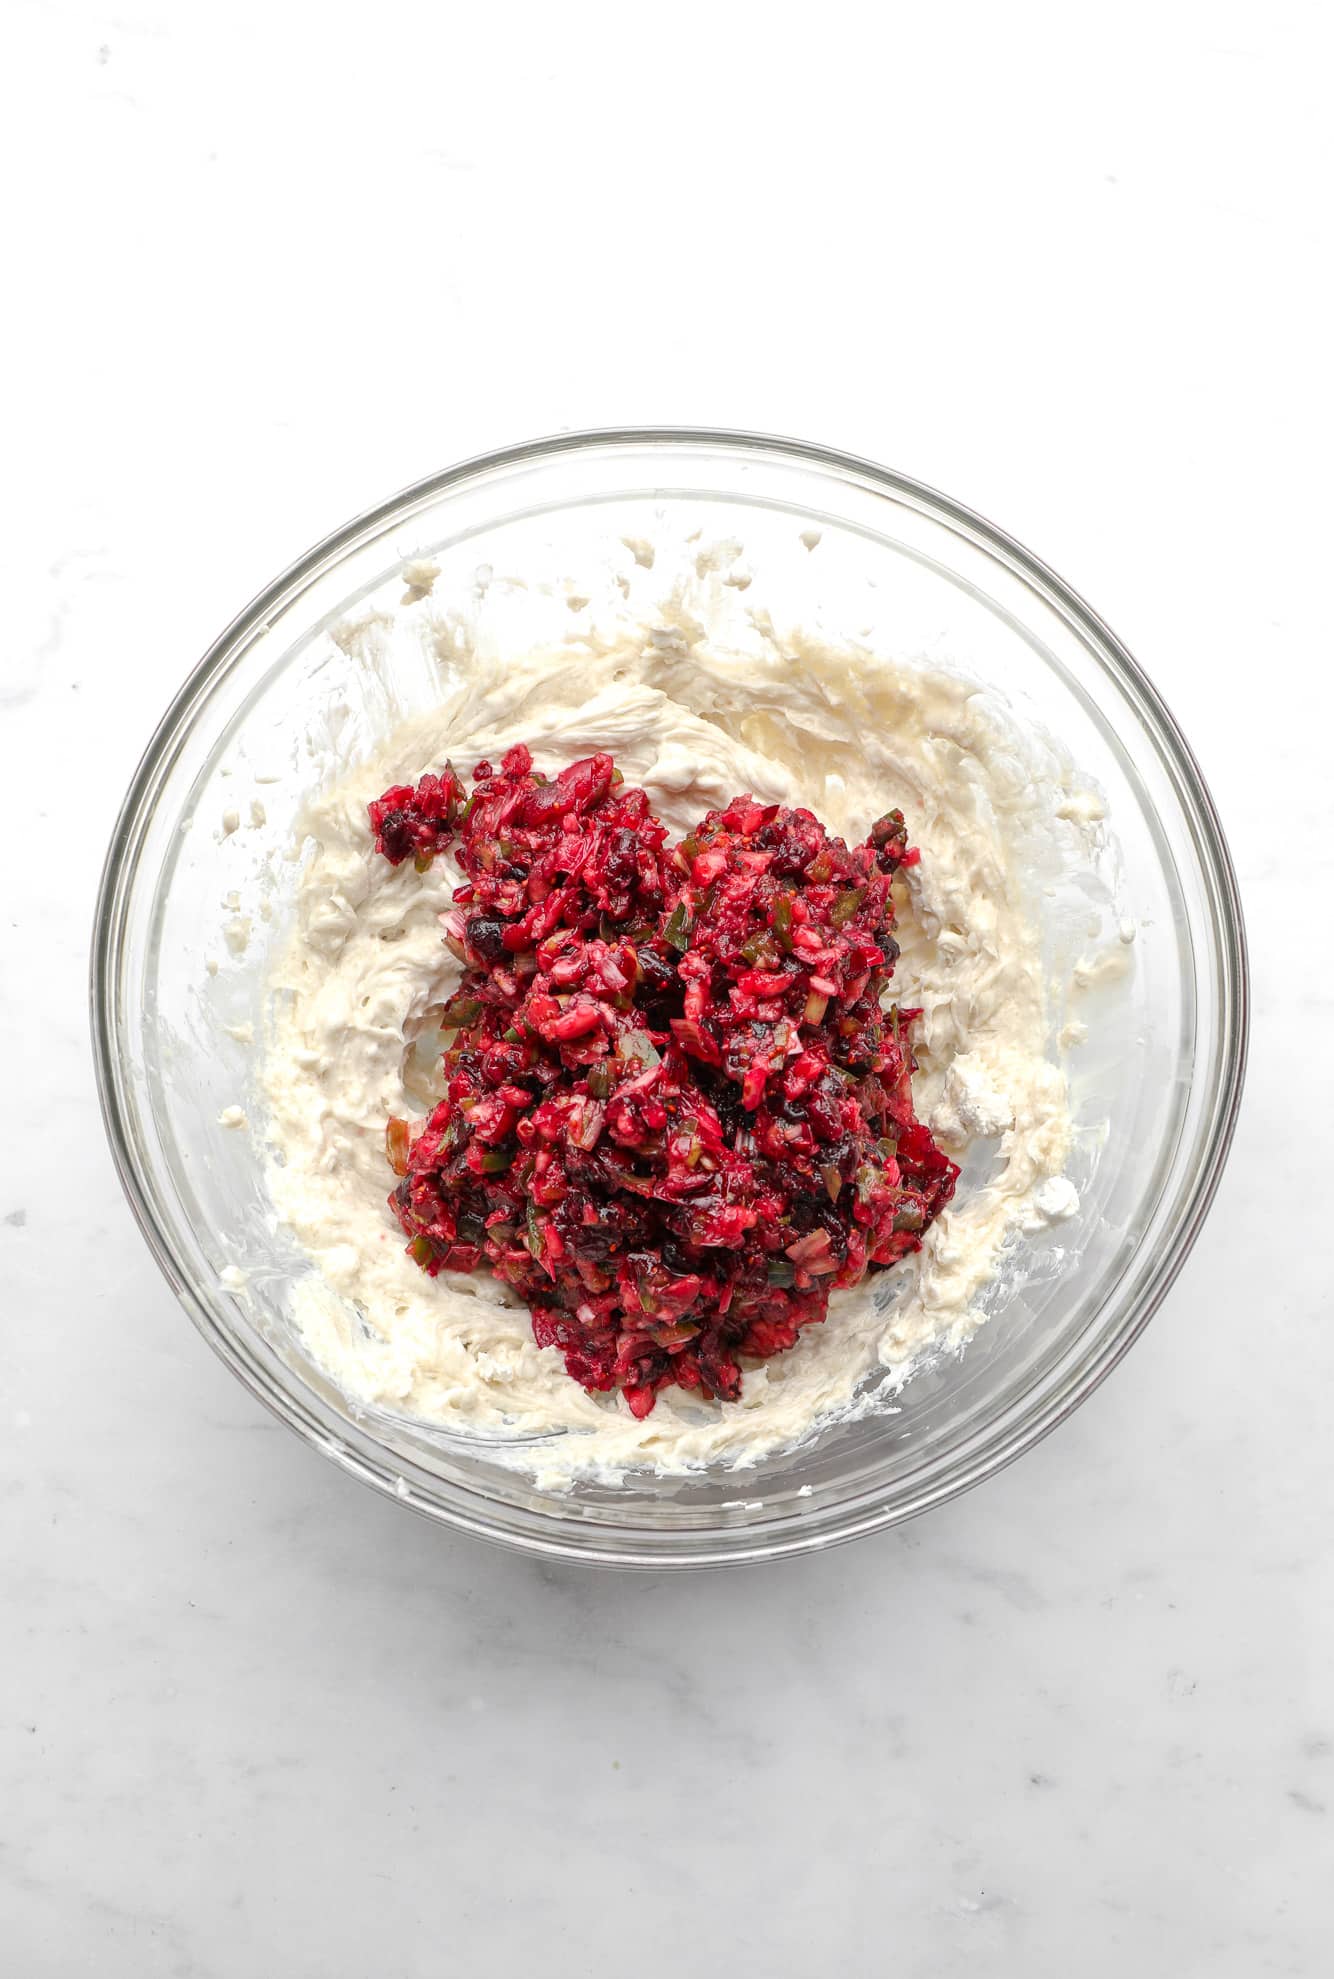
(351, 1033)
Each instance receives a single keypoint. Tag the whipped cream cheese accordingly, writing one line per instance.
(352, 1036)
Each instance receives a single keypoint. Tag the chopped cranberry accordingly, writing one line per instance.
(676, 1110)
(417, 823)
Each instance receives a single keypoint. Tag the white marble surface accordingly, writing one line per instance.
(1068, 263)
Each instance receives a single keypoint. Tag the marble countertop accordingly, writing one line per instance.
(254, 1720)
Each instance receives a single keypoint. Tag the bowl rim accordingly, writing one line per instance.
(723, 1544)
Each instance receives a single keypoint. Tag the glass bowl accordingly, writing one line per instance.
(1159, 1080)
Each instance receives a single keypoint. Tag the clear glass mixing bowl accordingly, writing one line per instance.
(1159, 1080)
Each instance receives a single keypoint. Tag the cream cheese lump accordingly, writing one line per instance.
(356, 991)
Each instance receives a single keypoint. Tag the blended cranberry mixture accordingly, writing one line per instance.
(676, 1112)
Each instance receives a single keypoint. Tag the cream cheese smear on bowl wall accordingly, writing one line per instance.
(669, 664)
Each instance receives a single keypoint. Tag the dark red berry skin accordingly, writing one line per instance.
(676, 1113)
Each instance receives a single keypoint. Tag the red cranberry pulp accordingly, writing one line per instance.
(677, 1112)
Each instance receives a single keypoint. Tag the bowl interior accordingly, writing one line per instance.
(1153, 1089)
